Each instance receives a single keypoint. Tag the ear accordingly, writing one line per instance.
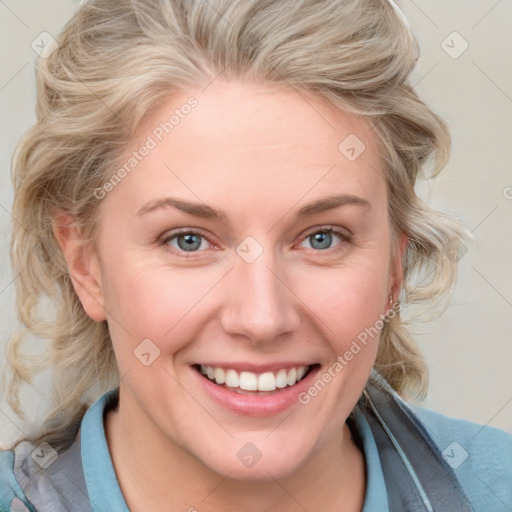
(83, 265)
(397, 267)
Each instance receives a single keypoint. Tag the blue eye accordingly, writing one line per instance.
(187, 241)
(322, 239)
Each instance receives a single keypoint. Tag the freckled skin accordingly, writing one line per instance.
(259, 154)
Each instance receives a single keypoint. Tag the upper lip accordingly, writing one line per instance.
(241, 366)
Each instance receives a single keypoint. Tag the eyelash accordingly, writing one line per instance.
(343, 235)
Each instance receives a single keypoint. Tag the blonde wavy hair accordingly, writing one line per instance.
(118, 60)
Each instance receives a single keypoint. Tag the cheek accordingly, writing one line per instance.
(348, 299)
(349, 303)
(155, 302)
(170, 305)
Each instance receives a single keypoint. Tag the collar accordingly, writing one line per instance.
(418, 478)
(105, 493)
(375, 499)
(100, 477)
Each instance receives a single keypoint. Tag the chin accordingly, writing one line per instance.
(263, 471)
(256, 461)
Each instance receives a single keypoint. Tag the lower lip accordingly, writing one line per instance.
(257, 405)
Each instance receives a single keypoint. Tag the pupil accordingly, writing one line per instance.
(191, 242)
(324, 239)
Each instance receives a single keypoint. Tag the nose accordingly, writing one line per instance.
(261, 305)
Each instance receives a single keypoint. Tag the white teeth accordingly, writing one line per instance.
(231, 379)
(292, 376)
(250, 381)
(281, 379)
(266, 382)
(220, 376)
(300, 372)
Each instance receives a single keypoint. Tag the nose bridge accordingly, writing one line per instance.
(261, 307)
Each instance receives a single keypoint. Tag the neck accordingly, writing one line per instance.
(154, 473)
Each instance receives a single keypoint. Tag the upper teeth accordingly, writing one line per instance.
(252, 382)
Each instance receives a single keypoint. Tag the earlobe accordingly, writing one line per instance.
(83, 265)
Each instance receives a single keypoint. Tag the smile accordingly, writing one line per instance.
(249, 389)
(247, 382)
(250, 381)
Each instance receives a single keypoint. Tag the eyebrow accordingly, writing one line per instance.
(207, 212)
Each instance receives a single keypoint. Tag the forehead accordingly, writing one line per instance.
(243, 139)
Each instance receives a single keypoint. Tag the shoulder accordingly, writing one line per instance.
(12, 496)
(480, 455)
(39, 478)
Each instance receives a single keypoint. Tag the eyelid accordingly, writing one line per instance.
(329, 228)
(170, 235)
(344, 234)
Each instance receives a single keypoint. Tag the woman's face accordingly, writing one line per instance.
(215, 250)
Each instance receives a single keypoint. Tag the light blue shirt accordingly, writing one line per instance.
(481, 457)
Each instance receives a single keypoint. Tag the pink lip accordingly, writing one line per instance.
(254, 368)
(257, 405)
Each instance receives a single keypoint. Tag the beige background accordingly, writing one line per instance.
(470, 348)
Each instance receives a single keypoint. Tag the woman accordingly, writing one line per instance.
(218, 198)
